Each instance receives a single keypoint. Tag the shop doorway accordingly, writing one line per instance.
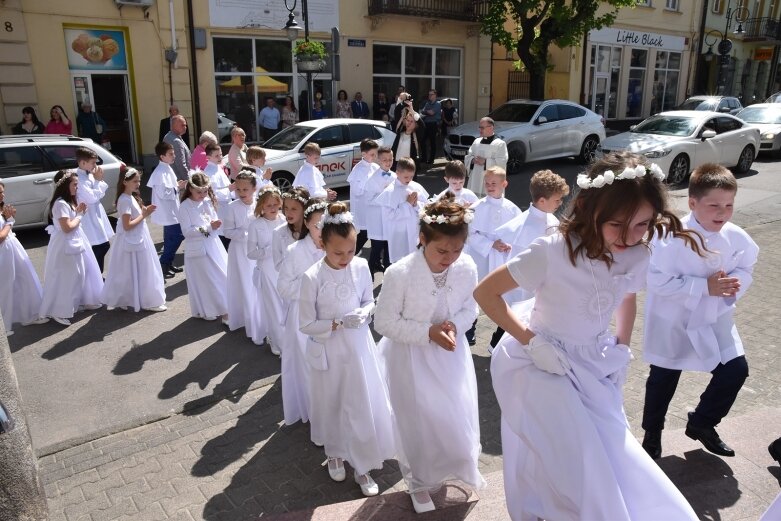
(604, 76)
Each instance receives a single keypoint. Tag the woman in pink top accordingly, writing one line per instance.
(198, 159)
(59, 122)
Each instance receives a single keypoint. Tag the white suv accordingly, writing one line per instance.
(28, 165)
(535, 130)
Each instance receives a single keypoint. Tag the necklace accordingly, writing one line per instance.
(440, 279)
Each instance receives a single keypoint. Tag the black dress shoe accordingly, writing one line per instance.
(652, 443)
(168, 271)
(709, 439)
(775, 450)
(175, 269)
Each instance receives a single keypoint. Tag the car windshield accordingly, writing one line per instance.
(289, 138)
(667, 126)
(761, 115)
(775, 98)
(699, 104)
(517, 112)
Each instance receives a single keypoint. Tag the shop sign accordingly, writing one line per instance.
(763, 54)
(95, 49)
(354, 42)
(631, 38)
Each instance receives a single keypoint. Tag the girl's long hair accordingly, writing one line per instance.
(295, 193)
(200, 180)
(62, 190)
(130, 174)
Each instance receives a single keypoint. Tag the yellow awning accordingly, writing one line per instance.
(265, 84)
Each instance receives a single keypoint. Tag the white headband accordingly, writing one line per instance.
(317, 207)
(433, 218)
(68, 175)
(300, 199)
(340, 218)
(608, 176)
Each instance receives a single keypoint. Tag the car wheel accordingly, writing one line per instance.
(679, 169)
(516, 158)
(283, 181)
(745, 160)
(588, 151)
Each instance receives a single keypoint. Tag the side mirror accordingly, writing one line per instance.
(725, 110)
(632, 127)
(707, 134)
(541, 120)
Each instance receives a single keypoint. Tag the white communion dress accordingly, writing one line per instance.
(205, 260)
(568, 452)
(71, 275)
(433, 392)
(241, 294)
(266, 321)
(20, 289)
(351, 413)
(133, 279)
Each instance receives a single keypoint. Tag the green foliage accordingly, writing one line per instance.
(310, 48)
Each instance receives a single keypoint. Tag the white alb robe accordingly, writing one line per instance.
(490, 214)
(20, 288)
(401, 220)
(358, 177)
(495, 154)
(267, 320)
(241, 294)
(375, 185)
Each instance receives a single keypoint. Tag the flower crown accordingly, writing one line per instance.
(67, 176)
(340, 218)
(196, 187)
(317, 207)
(269, 188)
(300, 199)
(433, 218)
(131, 173)
(608, 176)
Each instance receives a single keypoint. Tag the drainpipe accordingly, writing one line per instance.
(194, 70)
(171, 57)
(697, 70)
(583, 71)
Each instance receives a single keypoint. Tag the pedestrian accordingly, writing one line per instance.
(133, 280)
(689, 312)
(558, 373)
(165, 196)
(448, 116)
(406, 143)
(485, 152)
(358, 178)
(289, 113)
(398, 103)
(455, 177)
(379, 258)
(181, 164)
(30, 123)
(20, 288)
(220, 185)
(343, 109)
(89, 124)
(423, 310)
(91, 190)
(268, 119)
(205, 258)
(166, 125)
(318, 112)
(237, 155)
(302, 254)
(256, 158)
(58, 122)
(432, 119)
(266, 322)
(242, 299)
(382, 107)
(71, 280)
(359, 108)
(310, 177)
(198, 159)
(350, 408)
(293, 203)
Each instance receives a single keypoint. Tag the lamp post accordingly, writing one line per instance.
(292, 28)
(740, 14)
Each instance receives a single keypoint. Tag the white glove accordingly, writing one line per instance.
(546, 357)
(355, 318)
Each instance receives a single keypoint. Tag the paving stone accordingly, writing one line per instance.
(153, 512)
(113, 466)
(67, 484)
(148, 466)
(123, 508)
(93, 489)
(92, 463)
(128, 491)
(154, 495)
(74, 512)
(73, 451)
(188, 498)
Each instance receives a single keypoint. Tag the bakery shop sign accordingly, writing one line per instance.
(96, 49)
(640, 39)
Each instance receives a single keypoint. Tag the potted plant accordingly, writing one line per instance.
(310, 56)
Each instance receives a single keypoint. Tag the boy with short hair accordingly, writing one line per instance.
(378, 181)
(256, 157)
(357, 179)
(402, 201)
(689, 310)
(310, 177)
(91, 189)
(491, 212)
(165, 195)
(455, 176)
(220, 184)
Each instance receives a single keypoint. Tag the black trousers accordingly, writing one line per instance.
(361, 241)
(100, 251)
(715, 401)
(379, 257)
(430, 143)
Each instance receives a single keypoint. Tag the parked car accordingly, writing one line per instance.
(767, 118)
(775, 98)
(339, 141)
(224, 127)
(28, 165)
(679, 141)
(535, 130)
(724, 104)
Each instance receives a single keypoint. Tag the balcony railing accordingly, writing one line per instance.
(762, 30)
(463, 10)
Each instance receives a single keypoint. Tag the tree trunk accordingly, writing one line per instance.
(21, 494)
(536, 65)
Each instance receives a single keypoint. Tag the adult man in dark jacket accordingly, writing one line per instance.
(165, 125)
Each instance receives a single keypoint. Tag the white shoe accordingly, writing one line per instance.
(91, 307)
(62, 321)
(336, 469)
(112, 308)
(157, 308)
(209, 318)
(422, 503)
(8, 333)
(275, 350)
(225, 322)
(368, 485)
(41, 320)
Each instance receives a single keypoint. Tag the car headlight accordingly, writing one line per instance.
(768, 135)
(659, 152)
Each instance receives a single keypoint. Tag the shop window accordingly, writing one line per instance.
(636, 84)
(672, 5)
(387, 59)
(417, 60)
(666, 78)
(232, 55)
(273, 55)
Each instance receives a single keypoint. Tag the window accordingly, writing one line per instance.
(643, 3)
(360, 132)
(666, 77)
(672, 5)
(728, 125)
(19, 161)
(718, 6)
(635, 86)
(63, 157)
(329, 137)
(570, 112)
(551, 113)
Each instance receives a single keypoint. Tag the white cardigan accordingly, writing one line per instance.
(406, 304)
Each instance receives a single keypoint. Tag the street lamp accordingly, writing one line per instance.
(292, 28)
(740, 14)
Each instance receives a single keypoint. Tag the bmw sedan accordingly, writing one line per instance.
(682, 140)
(767, 118)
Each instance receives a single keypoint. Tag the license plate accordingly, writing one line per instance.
(458, 153)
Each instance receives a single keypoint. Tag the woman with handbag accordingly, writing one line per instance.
(91, 125)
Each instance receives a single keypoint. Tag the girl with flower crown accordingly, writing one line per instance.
(205, 258)
(72, 279)
(295, 372)
(558, 373)
(133, 279)
(423, 313)
(293, 203)
(351, 415)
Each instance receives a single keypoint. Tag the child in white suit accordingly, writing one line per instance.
(358, 178)
(165, 196)
(91, 190)
(310, 177)
(375, 230)
(455, 176)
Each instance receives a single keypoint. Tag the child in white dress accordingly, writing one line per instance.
(401, 203)
(295, 371)
(350, 409)
(133, 279)
(423, 311)
(293, 203)
(72, 279)
(221, 185)
(558, 373)
(241, 294)
(266, 321)
(20, 289)
(205, 259)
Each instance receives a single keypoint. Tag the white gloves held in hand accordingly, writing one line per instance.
(546, 357)
(355, 318)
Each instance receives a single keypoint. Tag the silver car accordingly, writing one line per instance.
(535, 130)
(28, 165)
(767, 118)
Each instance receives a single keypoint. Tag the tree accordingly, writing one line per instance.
(541, 23)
